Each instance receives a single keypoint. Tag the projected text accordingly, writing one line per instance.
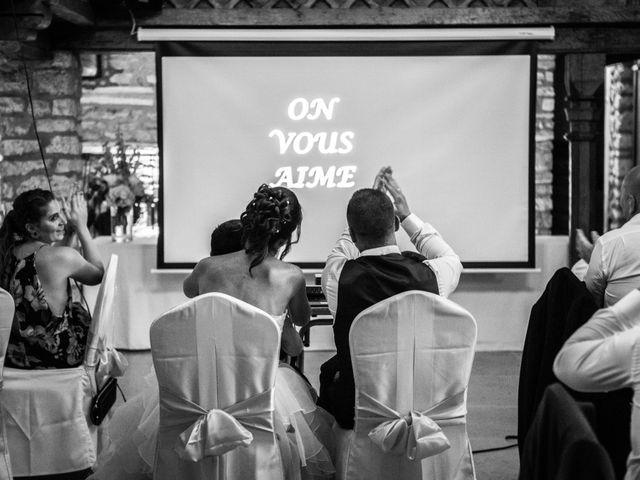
(306, 142)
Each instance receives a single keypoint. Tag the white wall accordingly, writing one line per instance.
(500, 302)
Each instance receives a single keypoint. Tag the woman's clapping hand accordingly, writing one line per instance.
(75, 209)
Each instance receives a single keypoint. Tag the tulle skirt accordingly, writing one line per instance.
(306, 439)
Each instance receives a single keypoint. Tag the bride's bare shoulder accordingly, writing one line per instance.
(287, 271)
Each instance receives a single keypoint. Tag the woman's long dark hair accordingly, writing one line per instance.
(28, 207)
(273, 215)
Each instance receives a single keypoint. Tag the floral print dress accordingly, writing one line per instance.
(39, 339)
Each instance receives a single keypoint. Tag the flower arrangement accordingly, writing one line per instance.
(114, 190)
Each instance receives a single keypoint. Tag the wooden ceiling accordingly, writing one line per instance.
(606, 26)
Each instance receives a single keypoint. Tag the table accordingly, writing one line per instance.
(141, 295)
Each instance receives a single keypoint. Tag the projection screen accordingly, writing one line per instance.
(453, 120)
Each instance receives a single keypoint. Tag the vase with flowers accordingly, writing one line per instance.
(114, 190)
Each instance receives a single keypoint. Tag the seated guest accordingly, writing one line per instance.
(614, 258)
(366, 267)
(257, 275)
(36, 266)
(252, 274)
(604, 355)
(226, 237)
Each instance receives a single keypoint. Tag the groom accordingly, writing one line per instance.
(366, 267)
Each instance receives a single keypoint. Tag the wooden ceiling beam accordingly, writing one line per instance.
(621, 40)
(578, 29)
(387, 16)
(29, 15)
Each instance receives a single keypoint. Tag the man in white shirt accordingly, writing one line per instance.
(366, 266)
(604, 355)
(614, 263)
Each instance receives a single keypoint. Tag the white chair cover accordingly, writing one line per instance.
(412, 356)
(216, 360)
(100, 354)
(46, 418)
(7, 308)
(47, 411)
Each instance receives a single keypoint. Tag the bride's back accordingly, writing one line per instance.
(268, 286)
(254, 274)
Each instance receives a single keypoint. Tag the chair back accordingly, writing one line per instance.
(412, 356)
(7, 309)
(47, 411)
(48, 426)
(561, 443)
(100, 353)
(216, 359)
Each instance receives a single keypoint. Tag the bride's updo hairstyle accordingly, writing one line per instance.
(272, 216)
(28, 207)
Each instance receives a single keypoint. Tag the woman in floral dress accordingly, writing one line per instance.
(36, 265)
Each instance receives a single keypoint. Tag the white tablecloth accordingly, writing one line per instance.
(141, 296)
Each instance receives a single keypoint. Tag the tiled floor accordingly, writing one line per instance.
(492, 402)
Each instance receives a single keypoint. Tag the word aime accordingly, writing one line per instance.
(311, 177)
(304, 142)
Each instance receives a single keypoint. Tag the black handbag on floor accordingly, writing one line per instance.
(103, 401)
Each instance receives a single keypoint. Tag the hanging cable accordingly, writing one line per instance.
(134, 25)
(496, 449)
(26, 74)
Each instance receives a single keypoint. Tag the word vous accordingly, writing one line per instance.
(305, 142)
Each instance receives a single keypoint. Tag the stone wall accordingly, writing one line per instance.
(55, 89)
(545, 105)
(619, 99)
(120, 97)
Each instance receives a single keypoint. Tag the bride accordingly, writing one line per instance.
(257, 275)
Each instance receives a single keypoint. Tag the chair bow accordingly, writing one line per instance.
(113, 362)
(110, 363)
(218, 431)
(214, 433)
(416, 435)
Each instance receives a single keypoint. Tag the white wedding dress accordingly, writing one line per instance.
(307, 452)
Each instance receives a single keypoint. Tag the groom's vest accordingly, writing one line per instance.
(363, 282)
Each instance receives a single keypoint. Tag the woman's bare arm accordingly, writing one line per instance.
(190, 285)
(91, 270)
(299, 308)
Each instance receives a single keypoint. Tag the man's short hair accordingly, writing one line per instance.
(226, 238)
(370, 214)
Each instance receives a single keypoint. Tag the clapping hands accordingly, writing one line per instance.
(384, 181)
(74, 209)
(583, 245)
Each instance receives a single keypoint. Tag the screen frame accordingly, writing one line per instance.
(354, 49)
